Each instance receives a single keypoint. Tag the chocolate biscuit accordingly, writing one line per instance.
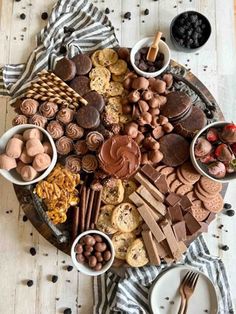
(96, 100)
(88, 117)
(65, 69)
(83, 64)
(81, 85)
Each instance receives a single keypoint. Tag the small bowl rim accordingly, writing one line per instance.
(24, 127)
(193, 158)
(173, 37)
(143, 73)
(88, 270)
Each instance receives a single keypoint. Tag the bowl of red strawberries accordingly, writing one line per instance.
(213, 151)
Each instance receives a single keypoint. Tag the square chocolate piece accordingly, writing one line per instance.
(185, 202)
(172, 199)
(162, 184)
(210, 218)
(175, 213)
(180, 230)
(192, 224)
(151, 173)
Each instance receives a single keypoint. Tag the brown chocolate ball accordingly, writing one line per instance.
(98, 238)
(89, 240)
(100, 247)
(124, 53)
(134, 96)
(107, 256)
(88, 248)
(92, 261)
(143, 106)
(79, 248)
(98, 266)
(159, 86)
(99, 256)
(80, 258)
(147, 95)
(140, 83)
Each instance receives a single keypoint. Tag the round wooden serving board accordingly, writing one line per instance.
(183, 81)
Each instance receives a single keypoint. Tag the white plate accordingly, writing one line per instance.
(164, 296)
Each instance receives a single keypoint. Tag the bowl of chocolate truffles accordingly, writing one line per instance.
(27, 154)
(189, 31)
(138, 58)
(92, 252)
(213, 151)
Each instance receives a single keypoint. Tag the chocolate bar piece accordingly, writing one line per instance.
(170, 238)
(162, 248)
(151, 188)
(191, 223)
(180, 230)
(185, 202)
(162, 184)
(204, 227)
(138, 201)
(150, 172)
(83, 208)
(154, 227)
(182, 247)
(172, 199)
(175, 213)
(151, 201)
(151, 248)
(210, 218)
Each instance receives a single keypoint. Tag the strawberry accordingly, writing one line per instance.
(228, 134)
(212, 135)
(207, 159)
(233, 147)
(231, 127)
(223, 153)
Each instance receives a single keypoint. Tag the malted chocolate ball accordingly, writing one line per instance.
(79, 248)
(98, 266)
(88, 248)
(92, 261)
(98, 238)
(99, 256)
(107, 256)
(100, 247)
(89, 240)
(80, 258)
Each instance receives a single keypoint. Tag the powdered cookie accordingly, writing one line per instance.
(104, 220)
(189, 173)
(175, 184)
(120, 67)
(125, 217)
(210, 186)
(113, 191)
(136, 254)
(121, 242)
(100, 71)
(198, 211)
(114, 89)
(94, 58)
(214, 205)
(99, 84)
(184, 189)
(167, 170)
(107, 57)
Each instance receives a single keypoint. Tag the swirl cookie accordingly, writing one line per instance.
(125, 217)
(136, 255)
(121, 242)
(113, 192)
(104, 220)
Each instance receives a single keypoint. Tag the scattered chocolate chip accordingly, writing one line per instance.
(221, 226)
(224, 247)
(31, 234)
(227, 206)
(162, 307)
(45, 254)
(57, 299)
(230, 212)
(24, 218)
(22, 16)
(107, 10)
(32, 251)
(63, 262)
(17, 0)
(67, 311)
(112, 11)
(146, 12)
(69, 268)
(167, 298)
(206, 311)
(54, 278)
(127, 15)
(63, 49)
(68, 30)
(44, 16)
(172, 302)
(226, 230)
(67, 280)
(30, 283)
(7, 211)
(163, 38)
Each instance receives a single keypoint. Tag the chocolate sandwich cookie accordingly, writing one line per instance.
(192, 124)
(96, 100)
(88, 117)
(83, 64)
(175, 149)
(177, 106)
(80, 84)
(65, 69)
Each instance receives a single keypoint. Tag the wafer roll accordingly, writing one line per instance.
(35, 95)
(50, 91)
(89, 209)
(83, 208)
(96, 208)
(75, 224)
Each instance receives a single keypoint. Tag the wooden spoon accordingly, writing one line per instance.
(153, 50)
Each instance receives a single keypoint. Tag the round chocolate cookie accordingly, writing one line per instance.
(88, 117)
(178, 103)
(65, 69)
(96, 100)
(80, 84)
(83, 64)
(192, 124)
(175, 149)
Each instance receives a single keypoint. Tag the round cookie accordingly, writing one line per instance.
(175, 184)
(119, 68)
(136, 255)
(203, 197)
(88, 117)
(113, 191)
(80, 84)
(94, 58)
(184, 189)
(100, 71)
(202, 192)
(107, 57)
(83, 64)
(96, 100)
(181, 178)
(175, 149)
(198, 211)
(215, 204)
(171, 178)
(191, 195)
(114, 89)
(104, 220)
(210, 186)
(189, 173)
(121, 242)
(99, 84)
(65, 69)
(125, 217)
(167, 170)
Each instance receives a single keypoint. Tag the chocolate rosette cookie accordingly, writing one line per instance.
(120, 156)
(74, 131)
(73, 163)
(29, 107)
(81, 147)
(94, 140)
(38, 120)
(65, 115)
(55, 129)
(48, 109)
(21, 119)
(89, 163)
(64, 145)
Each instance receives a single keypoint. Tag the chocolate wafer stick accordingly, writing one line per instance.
(75, 224)
(87, 199)
(32, 93)
(96, 208)
(82, 208)
(89, 209)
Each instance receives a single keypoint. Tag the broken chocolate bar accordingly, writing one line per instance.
(185, 202)
(191, 223)
(175, 213)
(151, 248)
(179, 229)
(172, 199)
(151, 188)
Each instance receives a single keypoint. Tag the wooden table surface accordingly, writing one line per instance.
(214, 65)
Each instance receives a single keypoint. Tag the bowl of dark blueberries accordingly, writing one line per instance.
(189, 31)
(92, 253)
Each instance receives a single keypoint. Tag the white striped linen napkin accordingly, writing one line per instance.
(129, 294)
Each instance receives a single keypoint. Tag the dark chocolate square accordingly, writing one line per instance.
(191, 223)
(172, 199)
(175, 213)
(185, 202)
(180, 230)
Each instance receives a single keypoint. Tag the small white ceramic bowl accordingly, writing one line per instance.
(12, 175)
(84, 268)
(146, 42)
(199, 166)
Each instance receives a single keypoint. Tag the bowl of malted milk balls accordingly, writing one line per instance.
(27, 154)
(92, 252)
